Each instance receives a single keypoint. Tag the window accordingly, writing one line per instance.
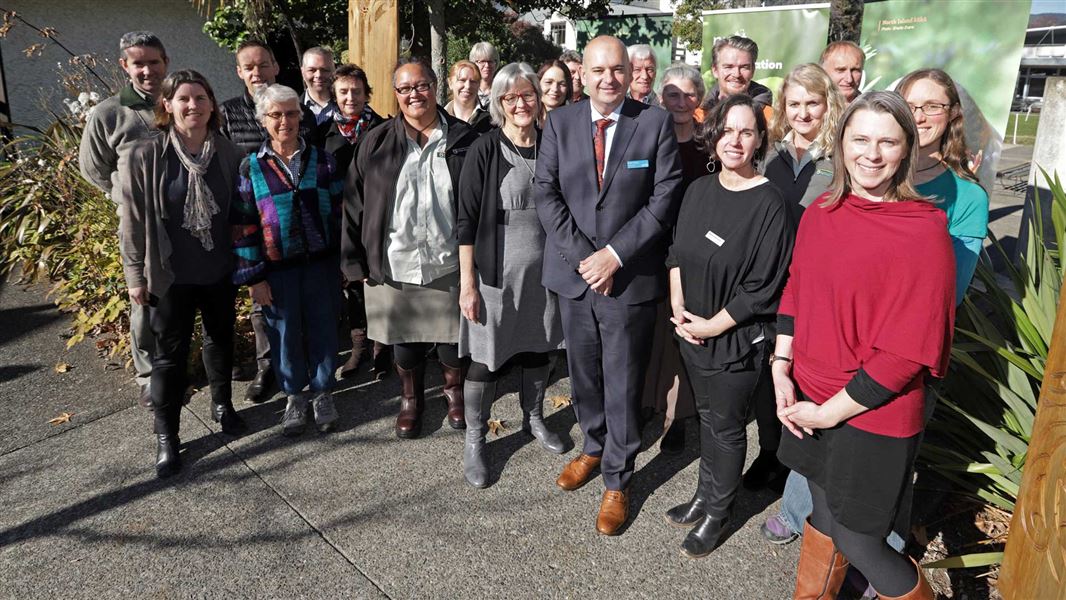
(558, 33)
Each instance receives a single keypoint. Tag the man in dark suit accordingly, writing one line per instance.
(607, 193)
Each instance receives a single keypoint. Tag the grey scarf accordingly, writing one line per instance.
(200, 203)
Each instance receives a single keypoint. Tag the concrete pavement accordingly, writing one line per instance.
(357, 513)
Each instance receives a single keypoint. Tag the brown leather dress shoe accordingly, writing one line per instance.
(614, 510)
(577, 472)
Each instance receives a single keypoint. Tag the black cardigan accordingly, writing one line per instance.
(338, 146)
(370, 188)
(479, 203)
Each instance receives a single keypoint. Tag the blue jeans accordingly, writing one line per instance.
(302, 324)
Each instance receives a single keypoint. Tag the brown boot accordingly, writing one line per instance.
(821, 567)
(453, 392)
(409, 421)
(358, 351)
(922, 590)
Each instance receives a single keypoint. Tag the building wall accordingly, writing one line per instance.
(95, 27)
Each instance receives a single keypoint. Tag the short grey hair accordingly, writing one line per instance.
(482, 51)
(503, 82)
(638, 51)
(738, 42)
(680, 70)
(320, 51)
(140, 38)
(569, 56)
(273, 94)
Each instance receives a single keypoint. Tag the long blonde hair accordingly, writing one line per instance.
(815, 80)
(901, 187)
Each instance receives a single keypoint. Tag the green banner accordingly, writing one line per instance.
(786, 35)
(655, 30)
(978, 42)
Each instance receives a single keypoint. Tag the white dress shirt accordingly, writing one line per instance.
(609, 139)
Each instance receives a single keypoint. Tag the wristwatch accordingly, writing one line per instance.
(774, 358)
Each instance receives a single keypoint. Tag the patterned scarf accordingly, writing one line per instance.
(351, 129)
(200, 203)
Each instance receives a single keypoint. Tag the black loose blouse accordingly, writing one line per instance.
(733, 249)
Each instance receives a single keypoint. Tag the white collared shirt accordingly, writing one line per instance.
(608, 140)
(596, 116)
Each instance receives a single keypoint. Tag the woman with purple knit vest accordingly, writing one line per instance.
(286, 237)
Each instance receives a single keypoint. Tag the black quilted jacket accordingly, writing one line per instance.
(241, 127)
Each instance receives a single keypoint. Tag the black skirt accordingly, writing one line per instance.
(864, 474)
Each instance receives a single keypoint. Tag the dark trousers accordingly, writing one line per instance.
(355, 305)
(173, 317)
(723, 397)
(766, 413)
(608, 343)
(262, 339)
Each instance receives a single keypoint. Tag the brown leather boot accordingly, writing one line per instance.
(821, 567)
(453, 392)
(922, 590)
(358, 352)
(409, 421)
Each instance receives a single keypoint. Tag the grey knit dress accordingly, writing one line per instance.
(520, 315)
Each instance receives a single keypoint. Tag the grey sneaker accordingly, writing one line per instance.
(295, 418)
(325, 412)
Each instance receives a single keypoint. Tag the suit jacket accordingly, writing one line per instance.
(633, 212)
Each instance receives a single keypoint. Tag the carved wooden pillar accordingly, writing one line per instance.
(1035, 562)
(373, 44)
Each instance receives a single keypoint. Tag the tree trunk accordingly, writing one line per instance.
(283, 9)
(438, 42)
(845, 20)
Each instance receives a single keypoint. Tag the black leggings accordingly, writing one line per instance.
(409, 356)
(891, 573)
(527, 360)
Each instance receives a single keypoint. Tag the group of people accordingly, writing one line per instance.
(710, 253)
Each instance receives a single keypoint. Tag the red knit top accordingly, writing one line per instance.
(872, 286)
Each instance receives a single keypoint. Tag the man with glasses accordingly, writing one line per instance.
(257, 69)
(485, 56)
(398, 235)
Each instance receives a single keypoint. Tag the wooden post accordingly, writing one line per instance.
(374, 44)
(1035, 561)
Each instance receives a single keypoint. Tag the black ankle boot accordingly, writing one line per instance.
(225, 415)
(704, 537)
(687, 514)
(261, 388)
(167, 459)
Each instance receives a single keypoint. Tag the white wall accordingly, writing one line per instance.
(95, 26)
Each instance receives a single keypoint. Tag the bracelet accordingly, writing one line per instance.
(774, 358)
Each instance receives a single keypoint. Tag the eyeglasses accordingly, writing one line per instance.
(482, 63)
(512, 99)
(289, 114)
(421, 87)
(930, 109)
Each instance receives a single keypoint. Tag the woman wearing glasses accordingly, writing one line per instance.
(486, 57)
(399, 238)
(508, 316)
(286, 226)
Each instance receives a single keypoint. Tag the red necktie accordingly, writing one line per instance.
(599, 145)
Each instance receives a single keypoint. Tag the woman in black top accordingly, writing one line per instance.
(728, 264)
(352, 91)
(175, 207)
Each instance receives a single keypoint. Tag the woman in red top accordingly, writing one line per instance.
(866, 313)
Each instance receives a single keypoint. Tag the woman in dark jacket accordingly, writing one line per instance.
(286, 234)
(351, 92)
(509, 318)
(399, 237)
(728, 263)
(175, 205)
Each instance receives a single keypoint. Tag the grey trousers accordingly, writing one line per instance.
(142, 342)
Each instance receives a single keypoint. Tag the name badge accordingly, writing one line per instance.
(441, 153)
(637, 164)
(714, 237)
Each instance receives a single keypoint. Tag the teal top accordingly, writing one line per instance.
(966, 204)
